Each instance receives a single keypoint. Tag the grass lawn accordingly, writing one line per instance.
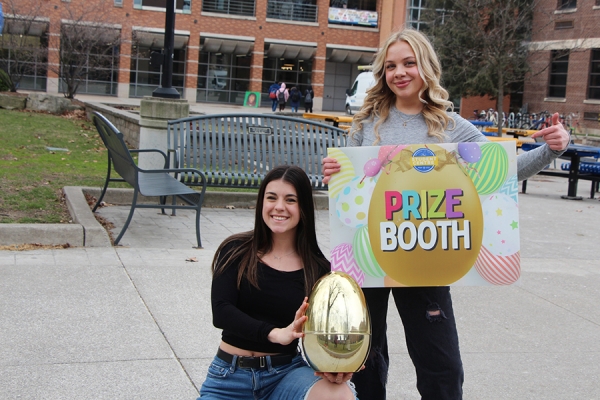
(39, 155)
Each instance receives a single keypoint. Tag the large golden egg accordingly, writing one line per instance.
(337, 334)
(425, 218)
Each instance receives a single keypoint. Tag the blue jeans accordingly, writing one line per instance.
(431, 339)
(274, 104)
(225, 381)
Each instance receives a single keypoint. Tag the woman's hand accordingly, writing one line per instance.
(330, 167)
(293, 331)
(336, 377)
(555, 136)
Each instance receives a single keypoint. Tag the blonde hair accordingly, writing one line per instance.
(380, 98)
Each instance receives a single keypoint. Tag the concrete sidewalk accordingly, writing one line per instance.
(135, 321)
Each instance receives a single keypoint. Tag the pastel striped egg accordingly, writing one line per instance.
(498, 270)
(364, 254)
(341, 179)
(489, 173)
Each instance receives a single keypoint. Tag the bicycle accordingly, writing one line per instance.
(572, 124)
(537, 124)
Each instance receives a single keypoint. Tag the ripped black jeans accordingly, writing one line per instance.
(431, 339)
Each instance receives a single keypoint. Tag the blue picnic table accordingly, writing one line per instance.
(575, 152)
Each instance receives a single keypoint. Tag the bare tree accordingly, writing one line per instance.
(23, 44)
(88, 43)
(482, 45)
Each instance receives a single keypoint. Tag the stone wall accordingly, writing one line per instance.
(127, 122)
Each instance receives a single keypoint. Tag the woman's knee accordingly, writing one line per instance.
(325, 390)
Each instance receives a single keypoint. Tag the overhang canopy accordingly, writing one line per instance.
(290, 51)
(227, 46)
(25, 27)
(351, 56)
(157, 40)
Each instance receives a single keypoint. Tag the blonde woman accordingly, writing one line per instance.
(408, 105)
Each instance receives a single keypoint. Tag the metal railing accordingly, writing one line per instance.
(231, 7)
(292, 10)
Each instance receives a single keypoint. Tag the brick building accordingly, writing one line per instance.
(565, 61)
(223, 48)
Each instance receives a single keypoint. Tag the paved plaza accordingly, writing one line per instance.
(134, 321)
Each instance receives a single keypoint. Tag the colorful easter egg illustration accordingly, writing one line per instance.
(425, 219)
(489, 173)
(372, 167)
(342, 259)
(387, 153)
(364, 254)
(469, 151)
(501, 228)
(352, 204)
(511, 188)
(340, 179)
(498, 270)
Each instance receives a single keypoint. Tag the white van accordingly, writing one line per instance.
(356, 95)
(217, 79)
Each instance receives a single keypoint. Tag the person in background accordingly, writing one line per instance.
(273, 95)
(295, 97)
(282, 96)
(308, 100)
(261, 280)
(407, 105)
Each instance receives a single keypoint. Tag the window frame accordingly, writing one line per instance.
(555, 90)
(594, 62)
(566, 5)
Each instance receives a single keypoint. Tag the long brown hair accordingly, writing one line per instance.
(380, 98)
(260, 240)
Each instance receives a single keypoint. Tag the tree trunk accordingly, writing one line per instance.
(500, 103)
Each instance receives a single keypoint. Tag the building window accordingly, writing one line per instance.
(293, 72)
(558, 74)
(231, 7)
(223, 78)
(145, 78)
(118, 3)
(25, 59)
(183, 5)
(90, 58)
(567, 4)
(563, 25)
(416, 8)
(294, 11)
(594, 85)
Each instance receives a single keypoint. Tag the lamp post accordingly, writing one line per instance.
(166, 90)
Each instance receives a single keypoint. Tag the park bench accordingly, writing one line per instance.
(237, 150)
(152, 183)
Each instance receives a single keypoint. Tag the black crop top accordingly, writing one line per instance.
(248, 315)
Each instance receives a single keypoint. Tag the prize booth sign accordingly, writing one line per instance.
(426, 215)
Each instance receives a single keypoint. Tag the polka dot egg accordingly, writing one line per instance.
(501, 226)
(352, 205)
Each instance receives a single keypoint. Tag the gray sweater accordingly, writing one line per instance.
(393, 132)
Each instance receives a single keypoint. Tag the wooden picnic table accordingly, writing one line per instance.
(504, 139)
(336, 119)
(516, 133)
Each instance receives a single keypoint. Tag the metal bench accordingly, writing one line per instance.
(238, 150)
(154, 183)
